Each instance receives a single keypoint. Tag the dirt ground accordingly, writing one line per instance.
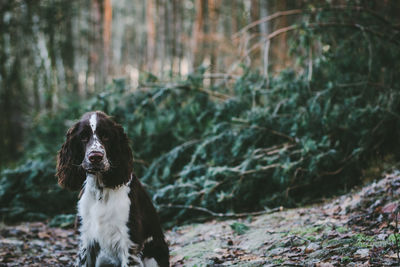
(357, 229)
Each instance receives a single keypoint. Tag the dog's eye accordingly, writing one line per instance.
(104, 138)
(84, 138)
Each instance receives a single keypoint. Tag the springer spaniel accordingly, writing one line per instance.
(119, 225)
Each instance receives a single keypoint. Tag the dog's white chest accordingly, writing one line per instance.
(104, 218)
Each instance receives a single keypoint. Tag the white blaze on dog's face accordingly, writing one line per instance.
(95, 159)
(95, 145)
(93, 122)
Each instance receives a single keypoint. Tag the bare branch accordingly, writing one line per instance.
(222, 215)
(312, 11)
(221, 76)
(266, 19)
(316, 25)
(274, 132)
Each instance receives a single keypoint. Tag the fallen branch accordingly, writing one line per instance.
(220, 76)
(268, 38)
(203, 90)
(312, 11)
(262, 169)
(247, 123)
(187, 87)
(222, 215)
(396, 231)
(316, 25)
(141, 161)
(266, 19)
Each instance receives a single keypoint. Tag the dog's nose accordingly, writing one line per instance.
(95, 156)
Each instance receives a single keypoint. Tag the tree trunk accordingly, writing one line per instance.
(173, 35)
(281, 49)
(151, 34)
(197, 39)
(107, 27)
(265, 29)
(213, 6)
(97, 52)
(254, 33)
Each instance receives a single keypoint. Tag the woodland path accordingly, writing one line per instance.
(357, 229)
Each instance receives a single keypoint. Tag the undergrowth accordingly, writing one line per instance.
(256, 143)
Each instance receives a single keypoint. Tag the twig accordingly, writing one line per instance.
(316, 25)
(141, 161)
(266, 60)
(220, 75)
(310, 64)
(268, 38)
(261, 169)
(266, 19)
(222, 215)
(190, 88)
(363, 83)
(292, 237)
(395, 237)
(245, 122)
(259, 152)
(332, 172)
(311, 11)
(206, 91)
(215, 94)
(354, 26)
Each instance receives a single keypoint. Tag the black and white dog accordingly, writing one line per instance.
(119, 225)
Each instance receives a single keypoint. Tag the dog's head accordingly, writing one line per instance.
(94, 145)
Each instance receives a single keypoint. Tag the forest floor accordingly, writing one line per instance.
(357, 229)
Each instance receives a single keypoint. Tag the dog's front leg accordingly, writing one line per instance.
(82, 257)
(87, 255)
(131, 258)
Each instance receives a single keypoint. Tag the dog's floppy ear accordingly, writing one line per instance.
(69, 171)
(121, 158)
(127, 160)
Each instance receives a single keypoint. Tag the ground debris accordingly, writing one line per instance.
(357, 229)
(36, 244)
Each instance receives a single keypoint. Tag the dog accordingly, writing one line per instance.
(118, 223)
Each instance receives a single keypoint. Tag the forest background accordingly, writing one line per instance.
(231, 106)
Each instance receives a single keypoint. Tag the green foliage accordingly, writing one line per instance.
(239, 228)
(394, 239)
(363, 241)
(284, 140)
(63, 220)
(30, 192)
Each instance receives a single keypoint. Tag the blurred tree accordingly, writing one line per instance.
(214, 39)
(151, 34)
(54, 50)
(248, 141)
(107, 35)
(198, 33)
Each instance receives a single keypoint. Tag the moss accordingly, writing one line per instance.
(342, 229)
(311, 238)
(303, 231)
(393, 238)
(345, 259)
(338, 242)
(239, 228)
(198, 250)
(363, 241)
(278, 261)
